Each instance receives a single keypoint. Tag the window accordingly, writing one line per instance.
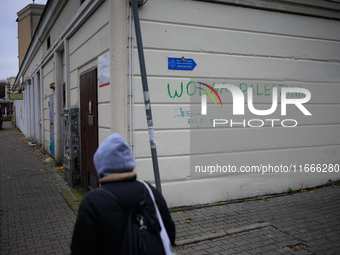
(48, 42)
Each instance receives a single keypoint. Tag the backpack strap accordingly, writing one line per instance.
(163, 233)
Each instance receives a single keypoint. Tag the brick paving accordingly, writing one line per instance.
(301, 223)
(35, 219)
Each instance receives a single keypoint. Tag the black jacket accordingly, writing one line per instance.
(100, 222)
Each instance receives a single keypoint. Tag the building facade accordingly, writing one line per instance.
(83, 56)
(28, 19)
(6, 104)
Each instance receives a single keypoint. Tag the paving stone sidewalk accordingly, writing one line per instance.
(303, 223)
(35, 219)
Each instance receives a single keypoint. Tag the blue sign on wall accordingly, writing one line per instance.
(181, 64)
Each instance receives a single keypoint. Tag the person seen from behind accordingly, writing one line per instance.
(100, 224)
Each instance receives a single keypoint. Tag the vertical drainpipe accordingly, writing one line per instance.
(58, 106)
(118, 65)
(25, 110)
(32, 117)
(36, 108)
(42, 108)
(66, 73)
(131, 83)
(26, 119)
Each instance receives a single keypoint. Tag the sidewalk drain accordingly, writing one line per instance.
(227, 232)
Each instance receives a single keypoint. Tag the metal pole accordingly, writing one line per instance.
(146, 95)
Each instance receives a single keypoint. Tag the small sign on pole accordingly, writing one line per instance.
(16, 96)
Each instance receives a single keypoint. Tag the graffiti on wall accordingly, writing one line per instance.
(258, 89)
(51, 125)
(194, 117)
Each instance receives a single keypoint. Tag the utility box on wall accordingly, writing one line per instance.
(71, 162)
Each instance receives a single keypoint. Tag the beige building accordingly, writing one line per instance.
(28, 19)
(83, 56)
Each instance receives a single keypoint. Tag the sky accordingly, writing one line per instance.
(9, 63)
